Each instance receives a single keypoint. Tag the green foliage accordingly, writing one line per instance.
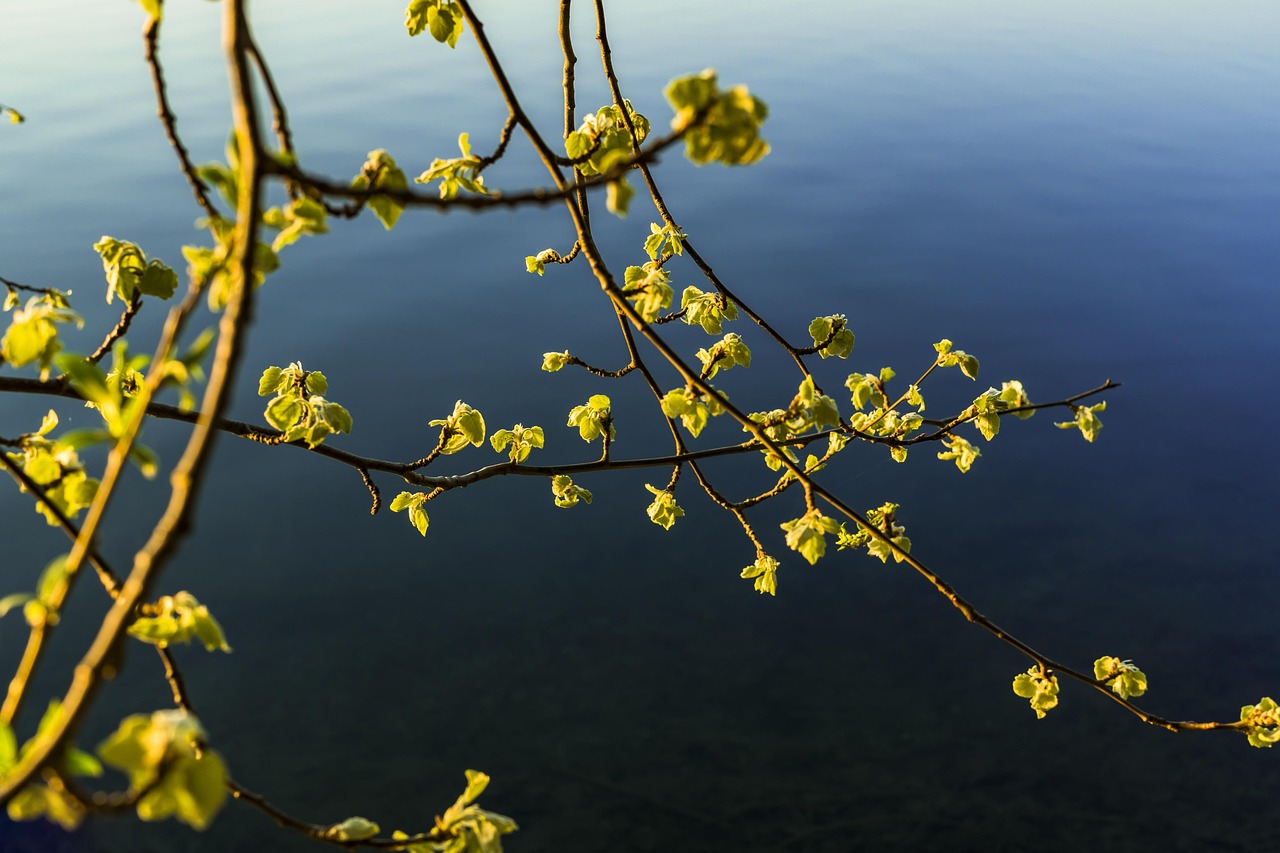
(521, 439)
(884, 519)
(1124, 679)
(1038, 687)
(960, 450)
(467, 827)
(693, 408)
(39, 799)
(459, 173)
(663, 511)
(868, 389)
(441, 18)
(352, 829)
(618, 196)
(553, 361)
(1086, 420)
(603, 142)
(209, 265)
(729, 130)
(130, 273)
(464, 426)
(413, 502)
(664, 240)
(730, 351)
(949, 357)
(164, 754)
(380, 172)
(538, 263)
(32, 335)
(807, 534)
(301, 216)
(56, 468)
(986, 410)
(649, 288)
(1262, 723)
(1015, 397)
(566, 494)
(832, 336)
(708, 310)
(765, 572)
(593, 419)
(811, 409)
(179, 619)
(298, 408)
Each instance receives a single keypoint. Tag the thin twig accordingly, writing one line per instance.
(151, 50)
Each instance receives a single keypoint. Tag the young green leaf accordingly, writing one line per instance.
(765, 572)
(441, 18)
(708, 310)
(832, 336)
(179, 619)
(663, 511)
(521, 439)
(664, 240)
(593, 418)
(566, 494)
(806, 535)
(720, 127)
(960, 450)
(1041, 691)
(463, 426)
(553, 361)
(1263, 722)
(353, 829)
(381, 172)
(413, 502)
(1121, 676)
(1086, 420)
(159, 754)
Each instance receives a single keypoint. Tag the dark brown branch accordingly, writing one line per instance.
(415, 198)
(946, 427)
(121, 327)
(606, 56)
(151, 50)
(812, 488)
(504, 139)
(279, 116)
(320, 832)
(599, 371)
(13, 285)
(177, 684)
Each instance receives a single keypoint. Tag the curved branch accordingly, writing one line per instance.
(151, 50)
(97, 663)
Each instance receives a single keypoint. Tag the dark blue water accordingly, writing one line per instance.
(1071, 194)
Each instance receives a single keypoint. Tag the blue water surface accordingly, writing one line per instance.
(1072, 192)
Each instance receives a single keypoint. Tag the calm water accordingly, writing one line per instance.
(1070, 193)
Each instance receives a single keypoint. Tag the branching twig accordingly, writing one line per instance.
(121, 327)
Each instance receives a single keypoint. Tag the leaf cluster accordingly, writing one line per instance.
(299, 409)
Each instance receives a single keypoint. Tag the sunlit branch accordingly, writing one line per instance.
(98, 661)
